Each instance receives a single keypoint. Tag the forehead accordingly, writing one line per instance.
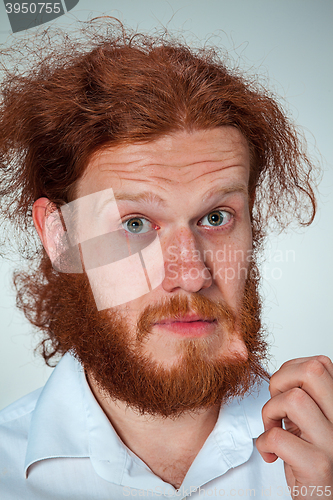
(182, 160)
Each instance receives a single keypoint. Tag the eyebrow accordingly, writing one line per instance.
(153, 198)
(149, 197)
(233, 188)
(146, 196)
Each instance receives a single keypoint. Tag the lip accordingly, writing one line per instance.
(188, 318)
(190, 326)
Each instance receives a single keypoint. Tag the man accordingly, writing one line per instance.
(152, 173)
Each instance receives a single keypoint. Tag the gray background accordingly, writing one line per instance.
(291, 44)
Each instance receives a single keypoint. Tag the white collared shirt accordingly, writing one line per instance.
(56, 443)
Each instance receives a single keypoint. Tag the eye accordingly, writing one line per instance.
(137, 225)
(217, 218)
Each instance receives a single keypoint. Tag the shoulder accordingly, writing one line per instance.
(15, 422)
(14, 428)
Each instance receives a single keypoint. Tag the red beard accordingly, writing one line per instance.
(102, 342)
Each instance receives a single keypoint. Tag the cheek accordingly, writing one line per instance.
(132, 310)
(230, 261)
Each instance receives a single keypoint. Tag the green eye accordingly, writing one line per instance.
(216, 218)
(137, 225)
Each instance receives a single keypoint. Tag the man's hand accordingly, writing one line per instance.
(302, 397)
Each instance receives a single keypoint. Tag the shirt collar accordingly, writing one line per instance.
(230, 444)
(68, 422)
(58, 426)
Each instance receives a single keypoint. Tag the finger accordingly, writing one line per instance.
(311, 376)
(325, 360)
(302, 411)
(278, 442)
(304, 458)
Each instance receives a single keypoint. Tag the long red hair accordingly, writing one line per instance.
(117, 87)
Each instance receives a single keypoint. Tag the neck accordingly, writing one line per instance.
(167, 445)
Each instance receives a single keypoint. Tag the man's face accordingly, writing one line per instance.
(194, 340)
(192, 189)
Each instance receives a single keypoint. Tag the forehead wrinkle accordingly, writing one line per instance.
(168, 180)
(153, 198)
(181, 164)
(139, 165)
(187, 164)
(237, 187)
(145, 196)
(206, 174)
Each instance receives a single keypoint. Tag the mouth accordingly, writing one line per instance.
(190, 325)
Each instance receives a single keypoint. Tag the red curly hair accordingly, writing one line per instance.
(120, 88)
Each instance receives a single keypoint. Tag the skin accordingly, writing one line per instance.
(302, 396)
(184, 169)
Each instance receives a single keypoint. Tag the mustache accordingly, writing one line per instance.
(177, 307)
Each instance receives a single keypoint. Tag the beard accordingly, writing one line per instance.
(115, 356)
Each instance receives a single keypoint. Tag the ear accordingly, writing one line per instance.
(50, 228)
(52, 232)
(40, 211)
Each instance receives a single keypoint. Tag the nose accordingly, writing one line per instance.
(184, 263)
